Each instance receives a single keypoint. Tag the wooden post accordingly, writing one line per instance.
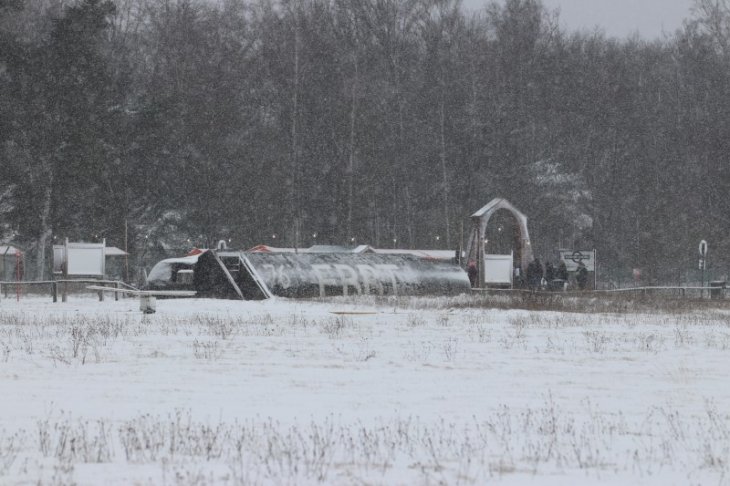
(64, 292)
(116, 294)
(17, 275)
(54, 291)
(481, 250)
(126, 253)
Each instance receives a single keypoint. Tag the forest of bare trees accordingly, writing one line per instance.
(387, 122)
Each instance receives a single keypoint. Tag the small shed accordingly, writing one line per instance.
(10, 263)
(116, 263)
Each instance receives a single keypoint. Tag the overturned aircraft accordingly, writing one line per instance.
(260, 275)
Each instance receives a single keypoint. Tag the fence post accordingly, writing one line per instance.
(54, 291)
(116, 294)
(64, 291)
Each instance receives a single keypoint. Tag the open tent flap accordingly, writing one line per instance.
(230, 276)
(212, 279)
(245, 275)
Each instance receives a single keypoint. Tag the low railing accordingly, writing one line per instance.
(62, 286)
(713, 292)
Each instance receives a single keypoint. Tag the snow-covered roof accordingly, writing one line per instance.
(312, 249)
(497, 203)
(114, 251)
(338, 249)
(8, 250)
(269, 249)
(427, 254)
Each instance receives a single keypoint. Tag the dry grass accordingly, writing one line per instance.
(588, 302)
(543, 439)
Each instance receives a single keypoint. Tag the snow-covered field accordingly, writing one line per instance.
(293, 392)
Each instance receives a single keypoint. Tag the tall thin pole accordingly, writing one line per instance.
(126, 253)
(294, 196)
(461, 243)
(17, 275)
(296, 235)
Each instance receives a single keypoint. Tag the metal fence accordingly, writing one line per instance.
(52, 288)
(678, 292)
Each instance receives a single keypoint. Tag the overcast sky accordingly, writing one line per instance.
(617, 18)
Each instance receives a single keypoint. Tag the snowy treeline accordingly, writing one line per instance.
(377, 120)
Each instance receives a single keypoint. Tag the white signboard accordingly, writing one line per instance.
(85, 259)
(498, 269)
(573, 257)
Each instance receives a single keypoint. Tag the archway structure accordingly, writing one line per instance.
(475, 249)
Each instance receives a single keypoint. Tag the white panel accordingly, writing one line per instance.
(498, 269)
(85, 259)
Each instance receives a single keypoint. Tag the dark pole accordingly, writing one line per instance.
(126, 252)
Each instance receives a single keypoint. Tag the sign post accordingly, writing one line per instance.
(79, 260)
(573, 259)
(18, 276)
(703, 265)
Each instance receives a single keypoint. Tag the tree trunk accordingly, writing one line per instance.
(444, 170)
(409, 217)
(351, 159)
(294, 205)
(46, 229)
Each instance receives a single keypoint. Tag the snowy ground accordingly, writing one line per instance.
(286, 392)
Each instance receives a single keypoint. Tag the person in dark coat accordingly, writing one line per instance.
(581, 276)
(471, 271)
(534, 274)
(549, 273)
(562, 272)
(540, 272)
(561, 275)
(518, 282)
(530, 274)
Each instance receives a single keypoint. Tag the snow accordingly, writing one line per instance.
(412, 391)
